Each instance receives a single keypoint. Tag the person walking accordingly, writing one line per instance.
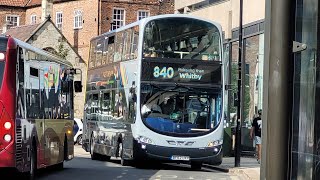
(256, 129)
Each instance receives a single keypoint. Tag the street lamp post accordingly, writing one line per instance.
(240, 107)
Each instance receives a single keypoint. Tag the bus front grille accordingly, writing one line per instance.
(18, 144)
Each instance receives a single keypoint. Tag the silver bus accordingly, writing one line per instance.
(155, 91)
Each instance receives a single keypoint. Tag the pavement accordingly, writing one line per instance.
(249, 167)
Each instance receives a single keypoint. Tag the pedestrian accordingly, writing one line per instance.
(256, 129)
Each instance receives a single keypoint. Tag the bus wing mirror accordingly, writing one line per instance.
(77, 86)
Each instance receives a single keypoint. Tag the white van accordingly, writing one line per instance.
(77, 130)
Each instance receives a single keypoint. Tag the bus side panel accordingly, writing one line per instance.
(58, 111)
(26, 135)
(111, 110)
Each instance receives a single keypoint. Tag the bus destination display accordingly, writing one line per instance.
(175, 72)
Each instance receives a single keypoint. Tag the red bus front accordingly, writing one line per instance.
(8, 58)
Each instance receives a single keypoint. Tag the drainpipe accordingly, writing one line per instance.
(99, 17)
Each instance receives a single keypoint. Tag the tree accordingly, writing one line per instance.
(62, 51)
(234, 89)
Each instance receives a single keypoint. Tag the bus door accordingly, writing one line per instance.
(33, 109)
(92, 114)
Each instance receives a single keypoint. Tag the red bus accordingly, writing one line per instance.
(36, 107)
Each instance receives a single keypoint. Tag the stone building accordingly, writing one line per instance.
(80, 20)
(76, 19)
(38, 35)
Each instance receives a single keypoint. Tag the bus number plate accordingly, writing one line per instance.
(180, 158)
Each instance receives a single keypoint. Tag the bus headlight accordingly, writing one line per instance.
(7, 125)
(7, 137)
(215, 143)
(142, 139)
(2, 56)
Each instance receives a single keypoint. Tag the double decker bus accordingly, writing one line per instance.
(155, 90)
(36, 108)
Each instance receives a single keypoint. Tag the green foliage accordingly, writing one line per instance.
(62, 51)
(234, 89)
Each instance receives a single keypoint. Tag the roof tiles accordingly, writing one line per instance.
(25, 3)
(22, 32)
(20, 3)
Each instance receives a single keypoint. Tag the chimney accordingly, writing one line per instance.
(6, 27)
(47, 6)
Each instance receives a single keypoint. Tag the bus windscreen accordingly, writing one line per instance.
(3, 44)
(182, 38)
(3, 49)
(180, 111)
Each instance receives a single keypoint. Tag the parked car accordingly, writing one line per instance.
(77, 131)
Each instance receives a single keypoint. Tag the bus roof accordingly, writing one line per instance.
(146, 20)
(39, 51)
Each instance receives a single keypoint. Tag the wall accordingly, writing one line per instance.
(226, 12)
(33, 11)
(11, 11)
(79, 38)
(131, 10)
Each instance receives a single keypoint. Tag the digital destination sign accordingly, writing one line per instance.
(176, 72)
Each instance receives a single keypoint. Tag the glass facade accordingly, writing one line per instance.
(305, 133)
(253, 54)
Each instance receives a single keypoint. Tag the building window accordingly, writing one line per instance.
(33, 19)
(13, 20)
(78, 19)
(143, 14)
(59, 20)
(118, 18)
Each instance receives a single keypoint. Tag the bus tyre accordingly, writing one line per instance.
(124, 162)
(79, 140)
(196, 165)
(94, 156)
(33, 163)
(65, 149)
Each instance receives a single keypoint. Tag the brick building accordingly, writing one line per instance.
(12, 11)
(80, 20)
(77, 20)
(115, 13)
